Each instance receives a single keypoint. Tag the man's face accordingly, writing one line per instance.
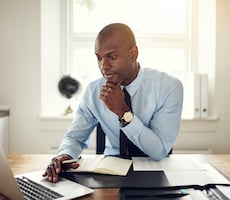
(115, 59)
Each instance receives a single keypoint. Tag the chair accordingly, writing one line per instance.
(170, 152)
(100, 141)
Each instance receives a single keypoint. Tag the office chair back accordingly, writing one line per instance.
(100, 141)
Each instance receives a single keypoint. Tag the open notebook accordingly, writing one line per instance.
(9, 185)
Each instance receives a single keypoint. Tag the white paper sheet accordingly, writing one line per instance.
(182, 170)
(175, 163)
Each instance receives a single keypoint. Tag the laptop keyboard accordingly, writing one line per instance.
(35, 191)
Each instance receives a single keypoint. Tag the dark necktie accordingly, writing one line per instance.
(127, 148)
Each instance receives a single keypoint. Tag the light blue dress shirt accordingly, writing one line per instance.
(157, 100)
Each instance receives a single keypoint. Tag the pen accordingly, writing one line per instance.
(66, 162)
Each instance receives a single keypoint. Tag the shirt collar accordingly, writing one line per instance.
(134, 85)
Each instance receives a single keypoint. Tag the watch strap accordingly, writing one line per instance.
(123, 123)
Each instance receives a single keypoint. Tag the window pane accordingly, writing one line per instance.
(170, 60)
(84, 62)
(144, 16)
(84, 65)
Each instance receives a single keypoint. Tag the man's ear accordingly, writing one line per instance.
(134, 53)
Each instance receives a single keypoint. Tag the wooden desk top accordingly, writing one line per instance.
(31, 162)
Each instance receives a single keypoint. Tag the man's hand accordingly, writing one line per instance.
(56, 167)
(113, 97)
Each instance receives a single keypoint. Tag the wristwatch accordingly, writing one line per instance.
(126, 118)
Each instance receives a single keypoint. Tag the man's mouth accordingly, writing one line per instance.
(108, 76)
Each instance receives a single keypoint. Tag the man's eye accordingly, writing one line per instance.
(99, 58)
(113, 57)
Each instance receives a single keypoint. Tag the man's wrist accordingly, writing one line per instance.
(63, 156)
(126, 118)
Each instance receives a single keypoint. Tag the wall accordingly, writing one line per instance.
(20, 84)
(20, 71)
(222, 74)
(213, 134)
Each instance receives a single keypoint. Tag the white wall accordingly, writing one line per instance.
(214, 134)
(20, 84)
(20, 71)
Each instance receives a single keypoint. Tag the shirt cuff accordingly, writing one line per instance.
(134, 128)
(68, 152)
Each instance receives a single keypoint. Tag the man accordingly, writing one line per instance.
(152, 120)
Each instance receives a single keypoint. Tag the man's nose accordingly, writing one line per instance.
(104, 64)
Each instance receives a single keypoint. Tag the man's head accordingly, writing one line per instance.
(116, 51)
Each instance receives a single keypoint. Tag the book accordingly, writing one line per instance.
(191, 107)
(100, 164)
(204, 95)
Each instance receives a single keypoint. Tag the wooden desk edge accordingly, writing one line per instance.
(23, 163)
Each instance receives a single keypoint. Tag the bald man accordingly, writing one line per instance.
(150, 121)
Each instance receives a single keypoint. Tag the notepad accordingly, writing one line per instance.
(103, 165)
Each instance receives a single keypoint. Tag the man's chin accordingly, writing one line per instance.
(113, 79)
(115, 82)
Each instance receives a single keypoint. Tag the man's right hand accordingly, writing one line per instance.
(55, 167)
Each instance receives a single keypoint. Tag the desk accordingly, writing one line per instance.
(31, 162)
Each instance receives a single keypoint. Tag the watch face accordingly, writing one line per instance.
(128, 116)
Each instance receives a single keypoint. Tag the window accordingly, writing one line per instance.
(161, 27)
(177, 36)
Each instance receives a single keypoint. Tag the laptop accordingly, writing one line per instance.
(16, 187)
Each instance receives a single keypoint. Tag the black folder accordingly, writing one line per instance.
(151, 194)
(138, 179)
(172, 192)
